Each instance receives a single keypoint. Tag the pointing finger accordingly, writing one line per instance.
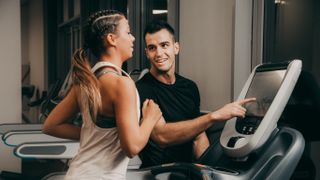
(244, 101)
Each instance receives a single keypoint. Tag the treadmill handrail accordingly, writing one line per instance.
(15, 138)
(48, 150)
(19, 126)
(9, 133)
(58, 150)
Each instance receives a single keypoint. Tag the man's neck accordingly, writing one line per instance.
(164, 77)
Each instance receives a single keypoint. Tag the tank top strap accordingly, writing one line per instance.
(101, 64)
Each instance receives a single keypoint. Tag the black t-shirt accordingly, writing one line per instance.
(179, 101)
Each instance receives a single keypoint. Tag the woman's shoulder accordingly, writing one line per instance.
(118, 83)
(117, 88)
(125, 82)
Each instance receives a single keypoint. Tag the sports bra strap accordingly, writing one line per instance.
(107, 64)
(104, 71)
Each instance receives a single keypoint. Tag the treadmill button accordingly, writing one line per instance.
(244, 128)
(232, 141)
(250, 130)
(240, 142)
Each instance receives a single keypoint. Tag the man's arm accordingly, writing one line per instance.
(200, 144)
(167, 134)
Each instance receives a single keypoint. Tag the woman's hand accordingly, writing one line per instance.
(151, 111)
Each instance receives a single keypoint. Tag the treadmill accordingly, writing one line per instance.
(253, 147)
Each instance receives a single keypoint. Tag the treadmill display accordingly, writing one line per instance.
(264, 88)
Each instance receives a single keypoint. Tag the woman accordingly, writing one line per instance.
(108, 101)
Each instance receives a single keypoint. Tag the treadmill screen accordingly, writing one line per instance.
(264, 88)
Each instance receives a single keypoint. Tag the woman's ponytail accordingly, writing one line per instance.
(86, 84)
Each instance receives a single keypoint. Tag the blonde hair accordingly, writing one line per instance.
(84, 81)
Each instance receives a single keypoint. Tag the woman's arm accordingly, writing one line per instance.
(58, 122)
(132, 136)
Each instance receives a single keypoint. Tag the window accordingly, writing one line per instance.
(71, 14)
(292, 30)
(167, 10)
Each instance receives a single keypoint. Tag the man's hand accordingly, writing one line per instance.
(234, 109)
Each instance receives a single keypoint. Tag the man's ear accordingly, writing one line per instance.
(146, 53)
(176, 48)
(110, 38)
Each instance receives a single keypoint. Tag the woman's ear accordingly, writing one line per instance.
(110, 38)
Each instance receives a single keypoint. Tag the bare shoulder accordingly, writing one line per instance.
(72, 94)
(117, 84)
(125, 85)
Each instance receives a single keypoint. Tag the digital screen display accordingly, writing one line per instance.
(264, 88)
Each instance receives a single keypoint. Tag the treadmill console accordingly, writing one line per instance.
(271, 85)
(264, 87)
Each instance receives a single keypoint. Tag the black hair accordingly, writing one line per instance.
(156, 26)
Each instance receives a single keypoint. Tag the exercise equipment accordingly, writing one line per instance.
(271, 85)
(250, 148)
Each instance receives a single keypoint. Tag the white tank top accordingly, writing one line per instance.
(100, 155)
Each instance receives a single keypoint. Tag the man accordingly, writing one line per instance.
(180, 136)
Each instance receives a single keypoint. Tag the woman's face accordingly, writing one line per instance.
(124, 39)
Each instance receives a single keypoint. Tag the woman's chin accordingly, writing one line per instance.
(129, 57)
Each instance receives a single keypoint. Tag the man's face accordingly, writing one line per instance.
(161, 51)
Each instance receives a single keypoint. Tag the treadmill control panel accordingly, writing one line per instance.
(264, 87)
(248, 125)
(271, 85)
